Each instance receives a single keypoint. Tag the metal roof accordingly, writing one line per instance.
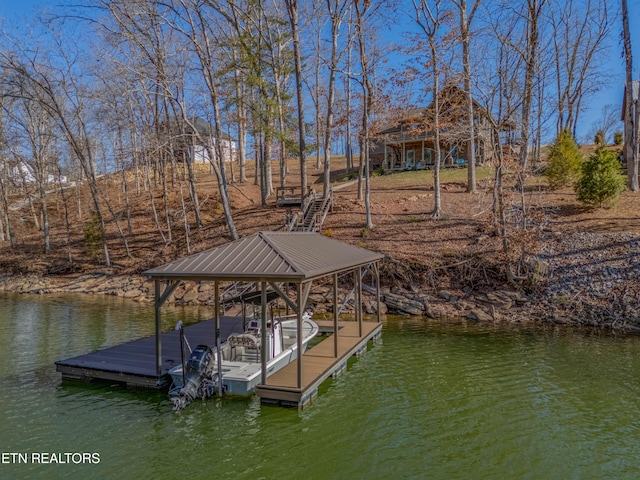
(282, 256)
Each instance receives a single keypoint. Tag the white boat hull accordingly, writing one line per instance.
(240, 378)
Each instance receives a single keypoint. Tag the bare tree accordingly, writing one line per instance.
(532, 14)
(580, 31)
(632, 113)
(337, 10)
(38, 139)
(292, 9)
(59, 92)
(465, 23)
(607, 123)
(430, 18)
(195, 27)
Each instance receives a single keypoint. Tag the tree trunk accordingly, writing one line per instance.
(631, 114)
(466, 63)
(292, 8)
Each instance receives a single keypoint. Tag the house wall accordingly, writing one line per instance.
(200, 154)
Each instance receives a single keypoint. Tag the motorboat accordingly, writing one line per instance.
(240, 369)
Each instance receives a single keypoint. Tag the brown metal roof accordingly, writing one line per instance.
(282, 256)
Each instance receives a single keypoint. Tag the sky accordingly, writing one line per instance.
(611, 94)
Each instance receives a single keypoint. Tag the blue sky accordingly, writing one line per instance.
(612, 94)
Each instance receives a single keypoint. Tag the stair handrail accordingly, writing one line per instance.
(326, 205)
(307, 208)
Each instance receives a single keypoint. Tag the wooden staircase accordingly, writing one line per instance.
(314, 211)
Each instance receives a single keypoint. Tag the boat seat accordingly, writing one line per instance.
(244, 347)
(245, 340)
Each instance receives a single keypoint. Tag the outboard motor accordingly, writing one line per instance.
(198, 378)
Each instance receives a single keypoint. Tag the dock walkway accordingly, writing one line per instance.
(134, 363)
(318, 364)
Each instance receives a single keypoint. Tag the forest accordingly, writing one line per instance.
(129, 88)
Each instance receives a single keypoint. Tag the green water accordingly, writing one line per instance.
(427, 401)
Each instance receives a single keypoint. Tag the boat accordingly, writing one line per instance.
(240, 368)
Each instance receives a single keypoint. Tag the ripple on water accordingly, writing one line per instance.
(429, 400)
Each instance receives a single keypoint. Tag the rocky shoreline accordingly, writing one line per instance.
(590, 279)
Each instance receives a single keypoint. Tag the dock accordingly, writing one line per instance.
(318, 364)
(134, 363)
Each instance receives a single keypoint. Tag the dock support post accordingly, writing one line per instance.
(359, 299)
(216, 293)
(335, 315)
(376, 270)
(158, 304)
(301, 304)
(263, 326)
(159, 301)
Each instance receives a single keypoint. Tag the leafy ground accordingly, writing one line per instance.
(456, 250)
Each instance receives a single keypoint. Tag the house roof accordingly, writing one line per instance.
(452, 102)
(204, 128)
(269, 256)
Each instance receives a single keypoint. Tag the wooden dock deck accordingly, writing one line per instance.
(318, 364)
(134, 363)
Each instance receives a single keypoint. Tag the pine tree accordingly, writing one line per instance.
(564, 160)
(601, 182)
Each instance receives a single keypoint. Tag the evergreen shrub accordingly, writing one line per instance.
(564, 161)
(618, 138)
(601, 182)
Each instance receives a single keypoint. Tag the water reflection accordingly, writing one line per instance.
(441, 400)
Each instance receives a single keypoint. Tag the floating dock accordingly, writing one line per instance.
(318, 364)
(134, 363)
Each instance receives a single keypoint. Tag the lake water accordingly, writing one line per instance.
(429, 400)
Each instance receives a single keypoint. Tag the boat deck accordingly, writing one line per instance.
(134, 363)
(318, 364)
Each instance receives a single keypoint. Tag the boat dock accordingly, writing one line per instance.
(318, 364)
(134, 363)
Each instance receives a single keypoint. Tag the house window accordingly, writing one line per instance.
(410, 156)
(427, 156)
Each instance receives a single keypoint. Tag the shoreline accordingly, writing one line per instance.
(589, 280)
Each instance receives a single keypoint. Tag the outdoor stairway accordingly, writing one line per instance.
(313, 214)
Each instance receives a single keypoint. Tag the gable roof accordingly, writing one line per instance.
(269, 256)
(177, 126)
(453, 103)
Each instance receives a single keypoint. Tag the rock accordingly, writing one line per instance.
(189, 298)
(404, 304)
(371, 307)
(447, 296)
(518, 297)
(479, 316)
(205, 298)
(494, 300)
(134, 293)
(315, 299)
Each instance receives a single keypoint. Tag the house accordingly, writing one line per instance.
(23, 173)
(409, 143)
(191, 138)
